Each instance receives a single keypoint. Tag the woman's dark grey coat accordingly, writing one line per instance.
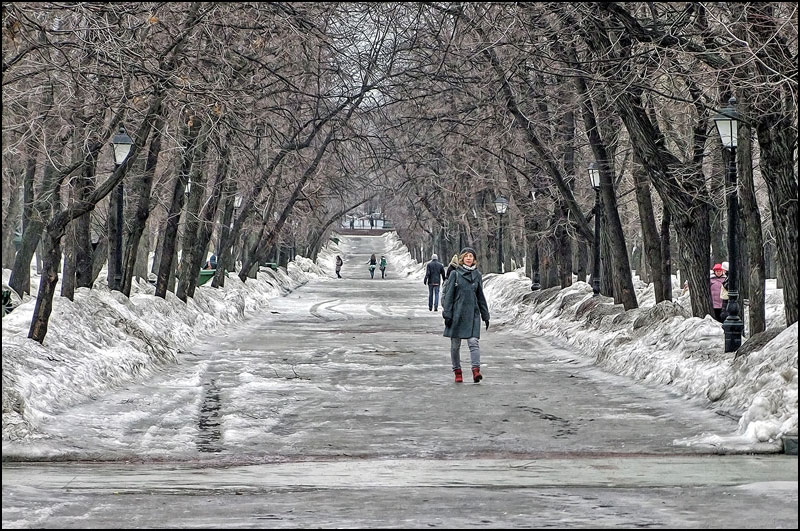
(464, 303)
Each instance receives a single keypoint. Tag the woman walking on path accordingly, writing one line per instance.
(383, 266)
(463, 308)
(338, 266)
(372, 263)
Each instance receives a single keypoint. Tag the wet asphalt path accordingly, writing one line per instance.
(336, 408)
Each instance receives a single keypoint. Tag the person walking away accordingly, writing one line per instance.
(372, 263)
(338, 266)
(434, 274)
(463, 308)
(383, 266)
(717, 282)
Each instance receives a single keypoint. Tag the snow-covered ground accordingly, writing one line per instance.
(102, 340)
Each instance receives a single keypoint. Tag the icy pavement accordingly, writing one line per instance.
(336, 408)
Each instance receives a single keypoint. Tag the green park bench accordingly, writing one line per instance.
(271, 265)
(205, 275)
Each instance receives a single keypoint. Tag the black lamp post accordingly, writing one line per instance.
(535, 285)
(594, 177)
(122, 147)
(727, 126)
(501, 204)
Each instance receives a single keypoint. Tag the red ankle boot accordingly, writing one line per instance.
(476, 374)
(459, 377)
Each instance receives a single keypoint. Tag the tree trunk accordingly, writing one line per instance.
(775, 111)
(12, 221)
(84, 186)
(68, 275)
(142, 187)
(564, 248)
(32, 227)
(198, 178)
(98, 257)
(209, 212)
(751, 221)
(666, 254)
(169, 235)
(51, 244)
(650, 237)
(582, 269)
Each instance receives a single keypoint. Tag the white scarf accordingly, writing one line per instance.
(469, 268)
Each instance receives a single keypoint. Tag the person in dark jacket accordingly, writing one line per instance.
(463, 308)
(373, 263)
(339, 264)
(434, 274)
(383, 266)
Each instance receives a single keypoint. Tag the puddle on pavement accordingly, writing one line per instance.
(209, 437)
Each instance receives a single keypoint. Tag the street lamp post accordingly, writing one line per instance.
(501, 204)
(122, 147)
(727, 126)
(594, 177)
(535, 285)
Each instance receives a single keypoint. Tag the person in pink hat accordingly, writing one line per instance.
(717, 283)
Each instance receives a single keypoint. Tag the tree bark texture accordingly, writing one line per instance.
(775, 110)
(141, 187)
(186, 274)
(651, 239)
(169, 236)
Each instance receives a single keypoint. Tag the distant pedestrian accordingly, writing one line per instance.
(463, 308)
(450, 268)
(373, 262)
(383, 266)
(717, 285)
(338, 266)
(434, 274)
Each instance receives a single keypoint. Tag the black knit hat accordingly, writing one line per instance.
(468, 250)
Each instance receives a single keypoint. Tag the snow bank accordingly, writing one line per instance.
(663, 345)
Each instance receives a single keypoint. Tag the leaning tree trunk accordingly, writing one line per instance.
(51, 245)
(652, 242)
(682, 190)
(613, 233)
